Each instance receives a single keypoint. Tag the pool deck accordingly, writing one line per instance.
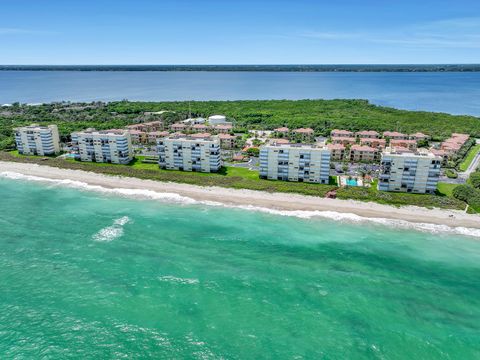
(350, 180)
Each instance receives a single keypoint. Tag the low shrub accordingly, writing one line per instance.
(451, 174)
(475, 179)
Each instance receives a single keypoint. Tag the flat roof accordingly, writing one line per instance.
(300, 146)
(193, 137)
(120, 132)
(408, 153)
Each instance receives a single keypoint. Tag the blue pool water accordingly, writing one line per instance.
(352, 182)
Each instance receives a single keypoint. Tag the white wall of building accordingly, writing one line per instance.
(409, 172)
(37, 140)
(295, 163)
(103, 146)
(189, 154)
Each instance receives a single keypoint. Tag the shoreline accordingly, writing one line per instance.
(251, 198)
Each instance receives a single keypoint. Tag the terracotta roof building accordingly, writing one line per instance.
(223, 129)
(278, 141)
(372, 142)
(305, 133)
(282, 130)
(409, 144)
(394, 135)
(154, 135)
(362, 153)
(343, 140)
(367, 134)
(178, 127)
(227, 141)
(337, 151)
(419, 136)
(341, 133)
(137, 136)
(199, 128)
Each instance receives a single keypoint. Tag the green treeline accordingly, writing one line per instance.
(321, 115)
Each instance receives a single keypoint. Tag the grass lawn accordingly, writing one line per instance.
(17, 154)
(469, 158)
(446, 188)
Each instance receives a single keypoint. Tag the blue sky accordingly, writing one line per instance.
(239, 32)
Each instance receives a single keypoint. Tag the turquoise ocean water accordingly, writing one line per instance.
(91, 275)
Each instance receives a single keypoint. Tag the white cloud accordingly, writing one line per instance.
(448, 33)
(19, 31)
(327, 35)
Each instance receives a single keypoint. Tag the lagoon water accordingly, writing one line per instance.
(451, 92)
(90, 275)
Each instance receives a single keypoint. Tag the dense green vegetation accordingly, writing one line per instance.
(474, 179)
(442, 200)
(321, 115)
(469, 158)
(470, 192)
(451, 174)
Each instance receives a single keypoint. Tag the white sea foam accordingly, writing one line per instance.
(134, 193)
(353, 218)
(112, 232)
(178, 280)
(179, 199)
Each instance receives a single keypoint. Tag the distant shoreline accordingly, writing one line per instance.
(253, 68)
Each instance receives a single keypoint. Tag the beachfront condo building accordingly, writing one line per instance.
(190, 153)
(37, 140)
(295, 162)
(406, 171)
(107, 146)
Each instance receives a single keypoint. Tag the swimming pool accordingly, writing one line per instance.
(345, 180)
(352, 182)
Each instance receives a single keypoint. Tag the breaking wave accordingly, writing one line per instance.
(115, 231)
(112, 232)
(178, 280)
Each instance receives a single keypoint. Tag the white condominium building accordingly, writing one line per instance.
(407, 171)
(108, 146)
(189, 153)
(37, 140)
(295, 162)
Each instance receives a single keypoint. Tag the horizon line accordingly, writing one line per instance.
(258, 64)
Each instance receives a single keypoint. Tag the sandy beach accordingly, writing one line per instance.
(234, 197)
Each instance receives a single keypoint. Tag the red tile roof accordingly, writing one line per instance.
(201, 135)
(342, 132)
(336, 146)
(367, 133)
(392, 134)
(223, 127)
(363, 148)
(303, 131)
